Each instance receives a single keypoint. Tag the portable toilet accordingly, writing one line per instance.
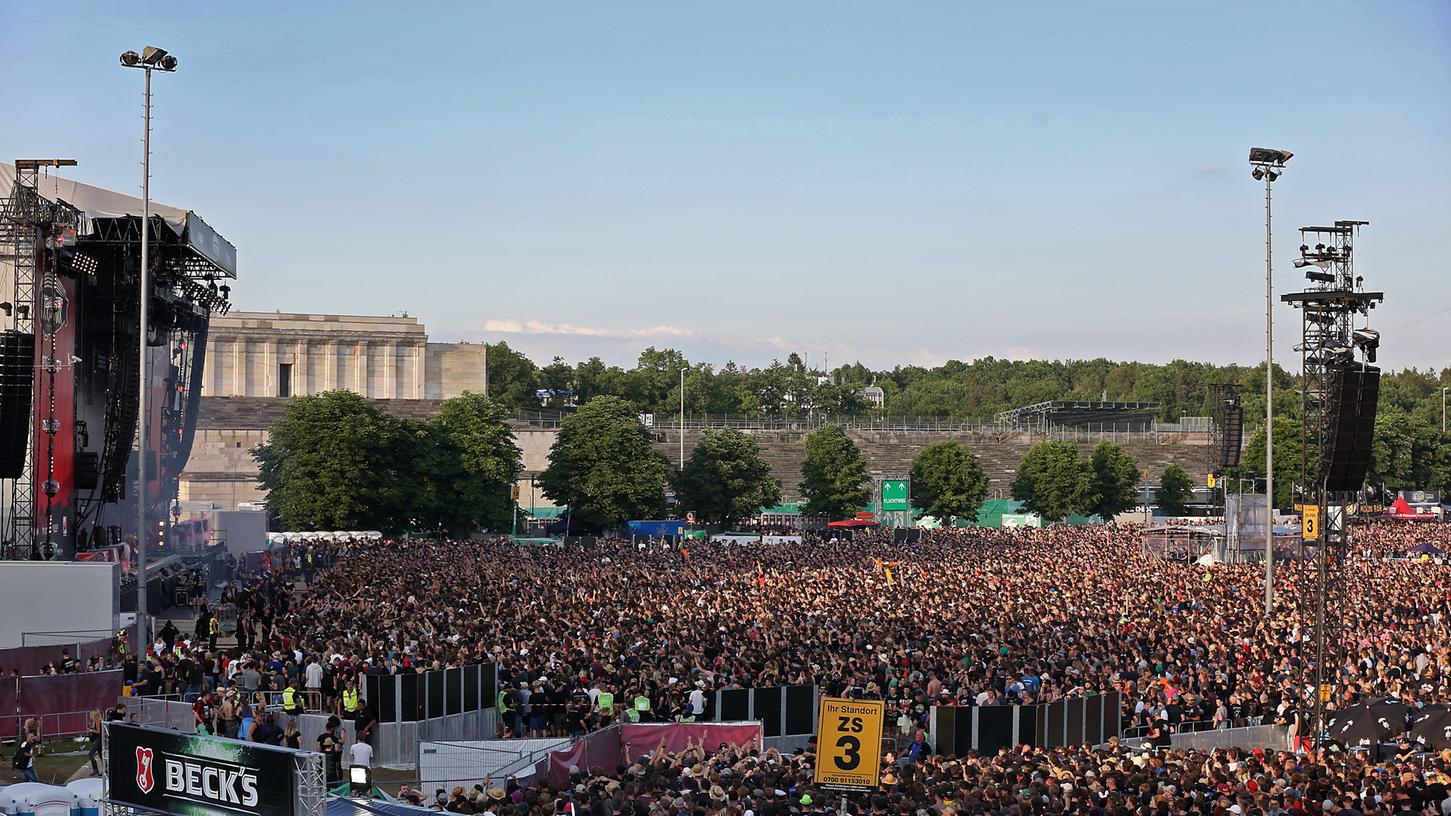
(90, 795)
(35, 799)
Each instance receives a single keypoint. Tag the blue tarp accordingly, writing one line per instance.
(672, 528)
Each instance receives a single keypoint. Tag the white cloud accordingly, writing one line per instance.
(540, 327)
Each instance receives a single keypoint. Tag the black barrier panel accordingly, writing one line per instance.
(453, 692)
(471, 688)
(1112, 715)
(169, 772)
(768, 710)
(435, 694)
(410, 698)
(1093, 720)
(948, 732)
(1028, 717)
(1074, 732)
(800, 718)
(994, 728)
(489, 695)
(1057, 716)
(734, 705)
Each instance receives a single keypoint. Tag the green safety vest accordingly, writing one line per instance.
(642, 703)
(606, 701)
(350, 700)
(289, 698)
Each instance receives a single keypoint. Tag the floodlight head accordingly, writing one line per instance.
(1272, 174)
(1366, 338)
(152, 55)
(1266, 155)
(167, 63)
(1258, 173)
(130, 59)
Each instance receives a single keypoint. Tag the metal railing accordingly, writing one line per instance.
(272, 701)
(59, 725)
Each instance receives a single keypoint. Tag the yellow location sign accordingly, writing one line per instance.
(849, 744)
(1310, 522)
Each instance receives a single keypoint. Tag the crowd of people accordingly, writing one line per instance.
(1112, 781)
(615, 630)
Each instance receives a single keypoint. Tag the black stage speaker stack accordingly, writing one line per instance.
(17, 375)
(1227, 456)
(1356, 392)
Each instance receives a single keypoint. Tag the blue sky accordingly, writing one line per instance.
(905, 182)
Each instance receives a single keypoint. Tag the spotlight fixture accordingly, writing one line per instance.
(1367, 340)
(1265, 155)
(1320, 277)
(1258, 173)
(1301, 263)
(130, 59)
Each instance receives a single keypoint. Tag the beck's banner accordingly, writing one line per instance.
(192, 775)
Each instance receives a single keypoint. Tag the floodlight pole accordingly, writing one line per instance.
(151, 58)
(1269, 405)
(143, 630)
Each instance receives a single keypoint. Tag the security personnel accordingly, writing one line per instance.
(350, 700)
(292, 701)
(214, 630)
(640, 709)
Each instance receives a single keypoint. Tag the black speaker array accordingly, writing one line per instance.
(1228, 454)
(1354, 397)
(17, 374)
(88, 470)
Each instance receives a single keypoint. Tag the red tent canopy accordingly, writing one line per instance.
(1400, 509)
(851, 523)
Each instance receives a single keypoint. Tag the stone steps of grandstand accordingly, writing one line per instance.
(258, 413)
(890, 453)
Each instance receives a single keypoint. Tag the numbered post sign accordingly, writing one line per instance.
(1310, 522)
(849, 744)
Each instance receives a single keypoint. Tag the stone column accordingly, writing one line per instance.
(329, 366)
(419, 351)
(390, 370)
(270, 386)
(239, 366)
(362, 356)
(300, 368)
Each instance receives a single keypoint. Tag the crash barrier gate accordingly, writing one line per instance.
(464, 763)
(782, 711)
(395, 745)
(955, 730)
(272, 700)
(406, 698)
(61, 702)
(31, 660)
(623, 744)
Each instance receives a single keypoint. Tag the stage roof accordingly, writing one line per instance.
(96, 203)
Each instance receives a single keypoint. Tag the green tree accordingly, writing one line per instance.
(336, 462)
(1115, 479)
(725, 478)
(1053, 481)
(834, 474)
(479, 466)
(513, 378)
(1175, 490)
(1289, 466)
(603, 466)
(947, 481)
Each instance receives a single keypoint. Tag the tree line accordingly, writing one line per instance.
(337, 461)
(1411, 450)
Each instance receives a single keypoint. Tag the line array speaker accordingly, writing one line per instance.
(17, 375)
(1356, 392)
(1228, 454)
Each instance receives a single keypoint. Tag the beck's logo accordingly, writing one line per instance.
(145, 778)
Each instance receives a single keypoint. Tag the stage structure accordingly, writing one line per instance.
(1339, 406)
(69, 368)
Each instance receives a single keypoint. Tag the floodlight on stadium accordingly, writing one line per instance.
(1269, 156)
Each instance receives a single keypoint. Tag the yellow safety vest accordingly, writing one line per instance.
(216, 626)
(289, 698)
(350, 700)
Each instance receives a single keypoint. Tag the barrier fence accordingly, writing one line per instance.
(31, 660)
(444, 764)
(955, 730)
(622, 744)
(60, 702)
(782, 711)
(405, 698)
